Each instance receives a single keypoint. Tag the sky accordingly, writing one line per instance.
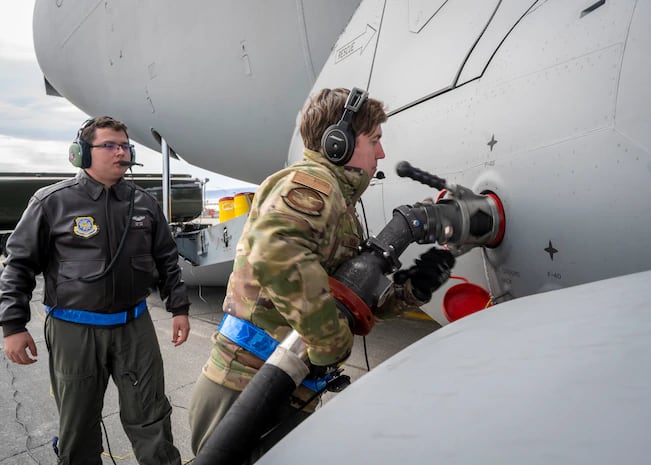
(36, 129)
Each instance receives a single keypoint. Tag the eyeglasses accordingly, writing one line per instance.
(113, 147)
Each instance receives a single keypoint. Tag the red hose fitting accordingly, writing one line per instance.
(364, 319)
(501, 218)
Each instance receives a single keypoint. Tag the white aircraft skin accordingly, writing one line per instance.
(546, 104)
(551, 111)
(221, 80)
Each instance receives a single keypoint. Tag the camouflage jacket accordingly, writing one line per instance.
(301, 227)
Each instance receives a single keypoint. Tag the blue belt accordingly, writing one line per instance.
(87, 317)
(256, 340)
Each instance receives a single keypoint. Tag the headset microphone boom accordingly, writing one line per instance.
(129, 163)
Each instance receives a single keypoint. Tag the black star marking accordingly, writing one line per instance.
(492, 142)
(551, 250)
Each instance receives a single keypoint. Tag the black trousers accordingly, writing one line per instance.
(81, 360)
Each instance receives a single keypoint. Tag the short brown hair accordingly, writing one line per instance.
(327, 107)
(88, 134)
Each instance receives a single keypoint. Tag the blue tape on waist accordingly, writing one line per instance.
(87, 317)
(248, 336)
(256, 340)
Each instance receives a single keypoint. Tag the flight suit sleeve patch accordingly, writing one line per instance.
(304, 200)
(312, 181)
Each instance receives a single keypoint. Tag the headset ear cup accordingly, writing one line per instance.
(85, 154)
(74, 154)
(338, 140)
(338, 144)
(79, 151)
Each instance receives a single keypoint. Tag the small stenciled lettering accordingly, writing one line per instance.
(554, 274)
(346, 50)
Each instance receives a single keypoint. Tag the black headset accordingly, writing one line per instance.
(338, 140)
(79, 151)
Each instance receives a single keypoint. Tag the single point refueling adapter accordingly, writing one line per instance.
(467, 219)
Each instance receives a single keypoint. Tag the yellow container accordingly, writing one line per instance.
(241, 204)
(226, 209)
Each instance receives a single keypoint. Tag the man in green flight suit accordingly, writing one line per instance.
(102, 244)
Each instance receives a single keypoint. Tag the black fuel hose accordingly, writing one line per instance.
(231, 442)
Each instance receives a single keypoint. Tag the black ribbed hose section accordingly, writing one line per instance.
(365, 273)
(230, 443)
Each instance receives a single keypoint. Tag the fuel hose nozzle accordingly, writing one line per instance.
(461, 219)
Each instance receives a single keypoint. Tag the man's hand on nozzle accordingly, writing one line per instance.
(429, 272)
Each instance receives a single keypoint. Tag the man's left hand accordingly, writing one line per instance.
(430, 271)
(180, 329)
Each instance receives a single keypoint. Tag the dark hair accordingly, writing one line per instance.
(88, 134)
(326, 108)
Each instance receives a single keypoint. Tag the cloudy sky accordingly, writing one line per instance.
(36, 129)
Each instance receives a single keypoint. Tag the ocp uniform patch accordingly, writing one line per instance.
(304, 200)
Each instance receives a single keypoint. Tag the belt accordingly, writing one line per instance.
(86, 317)
(256, 340)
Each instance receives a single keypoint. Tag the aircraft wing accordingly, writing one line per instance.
(560, 377)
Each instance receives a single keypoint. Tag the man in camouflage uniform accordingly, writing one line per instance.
(301, 227)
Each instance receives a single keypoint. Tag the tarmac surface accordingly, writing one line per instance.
(27, 408)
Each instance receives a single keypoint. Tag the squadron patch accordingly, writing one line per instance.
(304, 200)
(85, 226)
